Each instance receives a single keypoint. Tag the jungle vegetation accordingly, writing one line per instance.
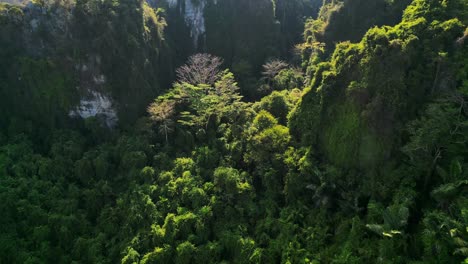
(300, 131)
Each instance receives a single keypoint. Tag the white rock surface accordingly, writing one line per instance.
(94, 101)
(96, 104)
(195, 19)
(172, 3)
(100, 79)
(193, 12)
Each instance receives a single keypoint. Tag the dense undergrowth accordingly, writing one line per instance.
(358, 155)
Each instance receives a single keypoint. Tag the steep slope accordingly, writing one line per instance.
(110, 58)
(106, 67)
(366, 164)
(244, 33)
(378, 84)
(385, 118)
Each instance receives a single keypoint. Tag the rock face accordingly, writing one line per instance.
(195, 19)
(193, 13)
(79, 64)
(96, 104)
(87, 48)
(16, 2)
(172, 3)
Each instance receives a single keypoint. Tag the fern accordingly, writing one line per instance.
(462, 251)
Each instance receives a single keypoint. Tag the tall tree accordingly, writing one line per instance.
(200, 68)
(162, 113)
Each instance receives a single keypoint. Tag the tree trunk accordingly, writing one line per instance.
(165, 132)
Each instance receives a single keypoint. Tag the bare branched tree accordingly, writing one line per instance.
(272, 68)
(162, 112)
(200, 68)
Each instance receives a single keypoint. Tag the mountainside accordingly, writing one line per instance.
(79, 46)
(222, 131)
(90, 43)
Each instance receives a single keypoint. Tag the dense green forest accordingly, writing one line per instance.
(234, 131)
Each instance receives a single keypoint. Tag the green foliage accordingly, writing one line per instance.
(199, 108)
(279, 104)
(395, 219)
(264, 120)
(229, 182)
(250, 29)
(53, 53)
(367, 164)
(39, 96)
(288, 79)
(341, 139)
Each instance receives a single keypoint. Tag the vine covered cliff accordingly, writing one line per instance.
(222, 131)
